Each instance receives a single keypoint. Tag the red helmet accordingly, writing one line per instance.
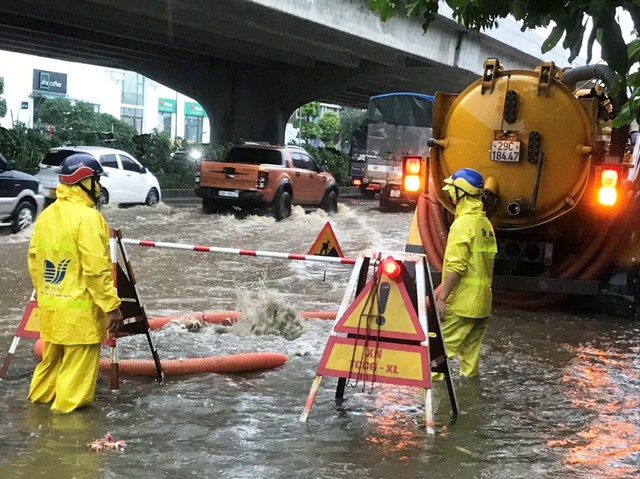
(77, 167)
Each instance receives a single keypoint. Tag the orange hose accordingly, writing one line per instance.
(232, 363)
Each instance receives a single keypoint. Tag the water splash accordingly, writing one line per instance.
(264, 313)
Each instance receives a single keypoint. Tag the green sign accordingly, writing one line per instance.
(167, 105)
(191, 108)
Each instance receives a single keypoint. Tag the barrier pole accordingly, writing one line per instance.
(241, 252)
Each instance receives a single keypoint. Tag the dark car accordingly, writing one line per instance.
(20, 199)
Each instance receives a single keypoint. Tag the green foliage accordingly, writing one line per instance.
(3, 102)
(350, 119)
(337, 163)
(77, 123)
(329, 126)
(24, 146)
(569, 18)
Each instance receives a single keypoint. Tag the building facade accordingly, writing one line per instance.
(141, 102)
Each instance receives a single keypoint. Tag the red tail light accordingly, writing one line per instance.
(390, 268)
(608, 194)
(356, 182)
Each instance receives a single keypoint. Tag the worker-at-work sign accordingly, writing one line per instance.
(386, 312)
(30, 323)
(371, 361)
(326, 243)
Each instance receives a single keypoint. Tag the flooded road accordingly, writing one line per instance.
(558, 395)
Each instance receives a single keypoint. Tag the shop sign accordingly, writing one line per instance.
(167, 105)
(49, 82)
(191, 108)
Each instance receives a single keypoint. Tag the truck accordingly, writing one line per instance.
(562, 185)
(399, 126)
(258, 177)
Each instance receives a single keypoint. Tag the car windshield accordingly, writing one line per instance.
(254, 156)
(54, 158)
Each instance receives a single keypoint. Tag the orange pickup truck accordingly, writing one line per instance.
(258, 177)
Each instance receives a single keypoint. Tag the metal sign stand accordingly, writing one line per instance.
(135, 317)
(389, 333)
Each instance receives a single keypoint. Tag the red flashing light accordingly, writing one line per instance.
(390, 268)
(412, 165)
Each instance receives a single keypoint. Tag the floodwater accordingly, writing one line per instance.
(558, 395)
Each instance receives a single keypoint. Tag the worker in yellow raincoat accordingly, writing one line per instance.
(70, 267)
(464, 302)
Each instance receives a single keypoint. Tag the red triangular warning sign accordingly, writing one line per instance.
(326, 243)
(382, 309)
(29, 326)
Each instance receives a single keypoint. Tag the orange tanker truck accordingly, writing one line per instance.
(562, 187)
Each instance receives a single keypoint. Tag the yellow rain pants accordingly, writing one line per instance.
(67, 375)
(463, 336)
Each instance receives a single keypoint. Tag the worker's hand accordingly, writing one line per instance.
(115, 320)
(441, 307)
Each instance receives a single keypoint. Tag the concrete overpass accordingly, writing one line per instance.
(251, 63)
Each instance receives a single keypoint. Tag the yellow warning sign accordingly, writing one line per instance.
(386, 312)
(326, 243)
(371, 361)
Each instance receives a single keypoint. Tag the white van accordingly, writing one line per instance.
(128, 182)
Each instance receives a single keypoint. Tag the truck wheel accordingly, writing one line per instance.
(368, 194)
(282, 206)
(23, 216)
(386, 206)
(211, 206)
(330, 202)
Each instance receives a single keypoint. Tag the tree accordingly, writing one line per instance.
(78, 123)
(569, 21)
(329, 126)
(3, 102)
(350, 119)
(306, 121)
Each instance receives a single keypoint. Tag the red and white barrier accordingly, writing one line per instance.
(242, 252)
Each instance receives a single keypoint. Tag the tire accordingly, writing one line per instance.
(368, 194)
(330, 202)
(282, 206)
(23, 216)
(386, 206)
(103, 199)
(152, 197)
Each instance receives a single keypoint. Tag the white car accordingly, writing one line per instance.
(128, 182)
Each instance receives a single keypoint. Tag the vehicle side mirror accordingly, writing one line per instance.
(143, 169)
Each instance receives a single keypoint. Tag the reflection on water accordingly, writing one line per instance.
(558, 395)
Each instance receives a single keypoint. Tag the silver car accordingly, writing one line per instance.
(128, 182)
(20, 201)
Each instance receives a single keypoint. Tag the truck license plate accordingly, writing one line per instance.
(228, 194)
(505, 150)
(394, 194)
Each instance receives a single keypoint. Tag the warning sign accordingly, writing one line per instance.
(387, 312)
(326, 243)
(30, 323)
(384, 362)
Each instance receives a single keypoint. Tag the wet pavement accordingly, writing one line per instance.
(558, 395)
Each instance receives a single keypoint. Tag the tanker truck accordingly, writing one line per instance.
(562, 187)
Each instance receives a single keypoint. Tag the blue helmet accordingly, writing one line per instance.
(77, 167)
(467, 180)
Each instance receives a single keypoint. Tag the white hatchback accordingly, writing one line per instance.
(128, 182)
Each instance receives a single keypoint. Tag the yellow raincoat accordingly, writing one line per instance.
(70, 267)
(470, 252)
